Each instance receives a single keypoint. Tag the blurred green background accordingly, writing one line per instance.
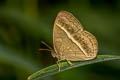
(24, 23)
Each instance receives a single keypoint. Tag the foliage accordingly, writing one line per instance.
(24, 23)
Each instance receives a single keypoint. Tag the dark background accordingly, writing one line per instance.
(24, 23)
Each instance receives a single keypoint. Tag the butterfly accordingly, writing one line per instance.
(71, 42)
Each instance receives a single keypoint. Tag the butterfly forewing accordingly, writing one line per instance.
(70, 41)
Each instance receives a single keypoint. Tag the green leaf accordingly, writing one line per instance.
(53, 69)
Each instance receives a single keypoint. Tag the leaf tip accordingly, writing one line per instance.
(28, 78)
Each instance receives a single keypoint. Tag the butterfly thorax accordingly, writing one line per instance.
(59, 57)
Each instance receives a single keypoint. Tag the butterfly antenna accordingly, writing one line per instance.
(44, 50)
(47, 46)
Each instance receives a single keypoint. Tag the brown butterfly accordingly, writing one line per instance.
(71, 42)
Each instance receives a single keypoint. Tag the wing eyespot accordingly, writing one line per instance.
(69, 29)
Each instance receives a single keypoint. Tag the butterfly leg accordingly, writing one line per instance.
(58, 63)
(69, 62)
